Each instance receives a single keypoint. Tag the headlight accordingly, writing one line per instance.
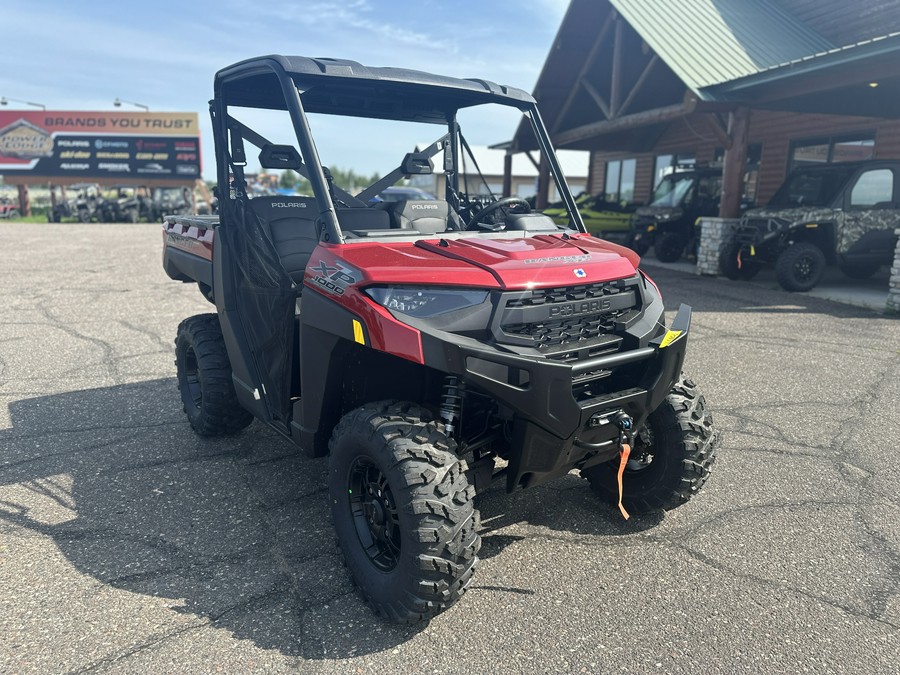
(423, 302)
(669, 215)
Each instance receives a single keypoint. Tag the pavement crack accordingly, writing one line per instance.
(769, 582)
(153, 641)
(109, 357)
(165, 345)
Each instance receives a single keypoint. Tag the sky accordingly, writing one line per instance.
(163, 54)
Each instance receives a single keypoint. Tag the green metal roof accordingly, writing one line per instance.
(708, 42)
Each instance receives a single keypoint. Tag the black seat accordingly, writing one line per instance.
(362, 219)
(290, 223)
(428, 216)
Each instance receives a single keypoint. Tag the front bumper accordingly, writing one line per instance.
(644, 229)
(553, 431)
(759, 236)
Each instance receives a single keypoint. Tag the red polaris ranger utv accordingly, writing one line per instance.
(429, 347)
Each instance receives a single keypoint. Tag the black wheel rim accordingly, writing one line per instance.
(374, 514)
(804, 268)
(192, 378)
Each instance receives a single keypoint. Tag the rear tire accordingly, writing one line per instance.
(800, 267)
(403, 510)
(204, 378)
(84, 216)
(639, 246)
(671, 458)
(669, 247)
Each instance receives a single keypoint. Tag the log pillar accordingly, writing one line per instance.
(735, 163)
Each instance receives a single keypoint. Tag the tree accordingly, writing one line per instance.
(288, 180)
(351, 181)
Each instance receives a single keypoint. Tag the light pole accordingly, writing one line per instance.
(4, 100)
(119, 101)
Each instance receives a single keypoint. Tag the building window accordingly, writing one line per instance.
(832, 149)
(666, 164)
(620, 180)
(613, 172)
(853, 151)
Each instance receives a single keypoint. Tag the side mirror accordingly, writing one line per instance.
(280, 157)
(416, 164)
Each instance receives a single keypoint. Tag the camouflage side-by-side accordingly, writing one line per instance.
(848, 226)
(842, 213)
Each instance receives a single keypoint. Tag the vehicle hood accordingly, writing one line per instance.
(793, 215)
(543, 261)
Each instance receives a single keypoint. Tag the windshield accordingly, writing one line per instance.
(419, 176)
(673, 190)
(811, 187)
(168, 194)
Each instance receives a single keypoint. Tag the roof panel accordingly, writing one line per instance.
(707, 42)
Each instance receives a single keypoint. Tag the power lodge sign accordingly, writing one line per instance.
(96, 145)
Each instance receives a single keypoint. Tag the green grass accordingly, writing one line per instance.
(35, 218)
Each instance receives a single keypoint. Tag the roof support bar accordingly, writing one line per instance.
(598, 98)
(582, 133)
(585, 66)
(721, 133)
(615, 86)
(637, 85)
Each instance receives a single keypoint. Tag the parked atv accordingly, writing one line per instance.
(125, 204)
(61, 206)
(169, 201)
(669, 222)
(429, 347)
(601, 218)
(88, 203)
(9, 209)
(843, 213)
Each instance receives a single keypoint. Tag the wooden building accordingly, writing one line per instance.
(760, 85)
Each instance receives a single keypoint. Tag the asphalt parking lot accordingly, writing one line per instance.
(127, 544)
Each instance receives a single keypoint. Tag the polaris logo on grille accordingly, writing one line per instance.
(580, 273)
(424, 207)
(586, 307)
(291, 205)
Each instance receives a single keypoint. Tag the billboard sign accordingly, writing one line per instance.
(78, 145)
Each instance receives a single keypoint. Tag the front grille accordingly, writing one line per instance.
(567, 294)
(567, 331)
(748, 231)
(754, 230)
(587, 320)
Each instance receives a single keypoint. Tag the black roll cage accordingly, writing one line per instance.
(255, 82)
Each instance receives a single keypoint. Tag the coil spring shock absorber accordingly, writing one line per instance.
(451, 403)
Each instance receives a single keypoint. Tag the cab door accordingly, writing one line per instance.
(871, 213)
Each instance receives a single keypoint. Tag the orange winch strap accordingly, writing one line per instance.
(623, 460)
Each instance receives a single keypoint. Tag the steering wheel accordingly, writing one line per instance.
(514, 204)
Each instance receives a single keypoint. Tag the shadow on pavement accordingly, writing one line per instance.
(762, 295)
(233, 532)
